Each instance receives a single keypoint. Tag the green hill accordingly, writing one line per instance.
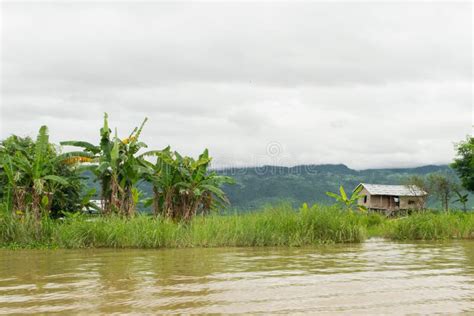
(257, 186)
(309, 183)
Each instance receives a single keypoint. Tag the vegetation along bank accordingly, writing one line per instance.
(43, 195)
(274, 226)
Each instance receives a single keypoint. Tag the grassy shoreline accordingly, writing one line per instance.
(272, 226)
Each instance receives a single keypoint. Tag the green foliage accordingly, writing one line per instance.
(464, 163)
(272, 226)
(349, 203)
(26, 231)
(256, 187)
(34, 177)
(278, 226)
(432, 226)
(118, 166)
(184, 187)
(442, 187)
(463, 199)
(375, 224)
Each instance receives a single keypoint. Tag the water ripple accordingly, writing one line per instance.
(377, 277)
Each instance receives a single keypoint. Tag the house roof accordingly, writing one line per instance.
(395, 190)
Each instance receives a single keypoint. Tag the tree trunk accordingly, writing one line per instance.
(105, 197)
(18, 203)
(50, 201)
(36, 205)
(168, 207)
(156, 201)
(115, 204)
(128, 204)
(446, 203)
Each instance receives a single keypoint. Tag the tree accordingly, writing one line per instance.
(418, 186)
(35, 176)
(442, 187)
(117, 165)
(184, 187)
(349, 202)
(464, 163)
(463, 199)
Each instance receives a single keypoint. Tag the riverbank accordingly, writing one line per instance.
(273, 226)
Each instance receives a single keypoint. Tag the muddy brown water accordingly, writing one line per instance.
(376, 277)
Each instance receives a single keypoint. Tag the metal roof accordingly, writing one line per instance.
(396, 190)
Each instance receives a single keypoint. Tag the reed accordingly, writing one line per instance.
(431, 226)
(273, 226)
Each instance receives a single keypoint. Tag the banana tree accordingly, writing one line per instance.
(463, 199)
(32, 174)
(184, 187)
(163, 178)
(12, 190)
(8, 176)
(349, 203)
(201, 187)
(117, 165)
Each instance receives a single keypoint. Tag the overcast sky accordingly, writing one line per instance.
(364, 84)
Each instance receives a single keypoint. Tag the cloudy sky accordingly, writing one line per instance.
(365, 84)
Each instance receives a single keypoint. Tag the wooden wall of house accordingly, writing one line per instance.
(387, 202)
(382, 202)
(411, 202)
(361, 200)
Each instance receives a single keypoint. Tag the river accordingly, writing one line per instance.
(375, 277)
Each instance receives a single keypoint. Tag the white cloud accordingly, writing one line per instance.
(369, 85)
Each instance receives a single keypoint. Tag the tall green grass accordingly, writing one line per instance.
(431, 226)
(25, 231)
(274, 226)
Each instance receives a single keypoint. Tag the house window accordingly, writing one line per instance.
(365, 199)
(411, 202)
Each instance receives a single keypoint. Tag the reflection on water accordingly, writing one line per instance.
(377, 277)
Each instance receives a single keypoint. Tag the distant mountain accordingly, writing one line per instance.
(308, 183)
(257, 186)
